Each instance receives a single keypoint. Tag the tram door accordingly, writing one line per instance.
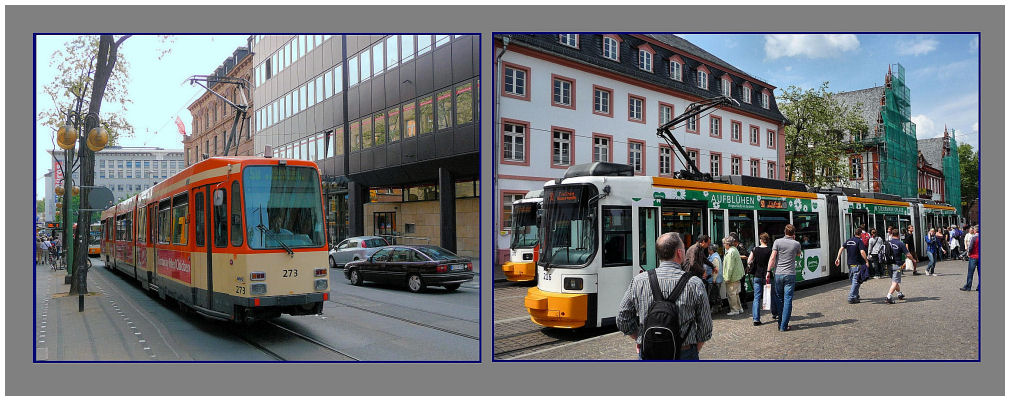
(645, 233)
(152, 240)
(717, 228)
(684, 217)
(859, 218)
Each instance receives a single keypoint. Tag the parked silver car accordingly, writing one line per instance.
(354, 248)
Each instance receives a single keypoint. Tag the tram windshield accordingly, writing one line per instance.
(95, 235)
(283, 207)
(525, 233)
(570, 223)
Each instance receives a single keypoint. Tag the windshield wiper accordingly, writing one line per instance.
(266, 231)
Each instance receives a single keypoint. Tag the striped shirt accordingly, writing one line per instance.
(695, 315)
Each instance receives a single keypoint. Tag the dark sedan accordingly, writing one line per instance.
(417, 266)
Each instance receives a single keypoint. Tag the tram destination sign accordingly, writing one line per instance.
(723, 200)
(879, 209)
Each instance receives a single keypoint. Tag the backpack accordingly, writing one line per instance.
(888, 257)
(661, 339)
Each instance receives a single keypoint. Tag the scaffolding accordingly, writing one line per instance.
(952, 174)
(898, 147)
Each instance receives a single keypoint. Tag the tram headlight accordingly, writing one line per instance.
(573, 283)
(528, 256)
(321, 284)
(258, 289)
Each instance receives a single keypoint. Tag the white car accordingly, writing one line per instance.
(355, 248)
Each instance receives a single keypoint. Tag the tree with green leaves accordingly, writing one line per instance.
(40, 206)
(816, 149)
(969, 175)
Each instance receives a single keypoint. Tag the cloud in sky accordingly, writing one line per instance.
(924, 126)
(973, 44)
(810, 46)
(947, 70)
(916, 47)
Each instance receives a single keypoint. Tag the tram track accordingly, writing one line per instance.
(412, 321)
(516, 345)
(267, 349)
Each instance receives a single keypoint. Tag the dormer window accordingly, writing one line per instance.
(703, 77)
(746, 92)
(764, 99)
(611, 48)
(676, 70)
(726, 88)
(569, 39)
(645, 56)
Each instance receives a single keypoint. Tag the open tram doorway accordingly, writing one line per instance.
(684, 217)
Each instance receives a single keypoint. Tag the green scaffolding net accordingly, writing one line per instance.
(952, 174)
(899, 149)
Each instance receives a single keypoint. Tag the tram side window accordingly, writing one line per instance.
(808, 231)
(903, 222)
(198, 218)
(141, 226)
(742, 223)
(773, 223)
(617, 244)
(221, 221)
(236, 215)
(164, 222)
(180, 209)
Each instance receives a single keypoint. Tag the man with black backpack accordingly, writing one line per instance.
(666, 309)
(893, 257)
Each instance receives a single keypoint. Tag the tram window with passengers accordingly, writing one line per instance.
(233, 238)
(600, 227)
(524, 246)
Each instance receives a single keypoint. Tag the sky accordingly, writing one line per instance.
(941, 70)
(158, 88)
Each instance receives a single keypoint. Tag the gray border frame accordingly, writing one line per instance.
(793, 378)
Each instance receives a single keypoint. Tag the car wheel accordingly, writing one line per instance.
(332, 263)
(452, 287)
(414, 283)
(355, 277)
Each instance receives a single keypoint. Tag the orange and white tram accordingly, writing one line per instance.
(233, 238)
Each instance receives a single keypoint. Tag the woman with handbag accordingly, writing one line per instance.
(757, 264)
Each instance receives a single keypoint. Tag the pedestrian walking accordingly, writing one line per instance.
(897, 250)
(877, 245)
(954, 243)
(909, 241)
(932, 250)
(758, 263)
(865, 236)
(732, 272)
(44, 246)
(972, 247)
(696, 262)
(783, 263)
(856, 260)
(695, 318)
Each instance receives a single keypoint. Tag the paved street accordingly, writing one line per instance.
(371, 323)
(935, 321)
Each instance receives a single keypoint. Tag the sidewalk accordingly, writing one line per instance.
(936, 321)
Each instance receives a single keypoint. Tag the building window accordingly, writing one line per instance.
(514, 142)
(665, 113)
(445, 109)
(692, 124)
(464, 103)
(563, 92)
(755, 168)
(352, 71)
(644, 60)
(676, 70)
(561, 148)
(735, 128)
(856, 167)
(636, 111)
(569, 39)
(746, 94)
(378, 58)
(610, 48)
(602, 99)
(755, 135)
(764, 100)
(408, 47)
(715, 164)
(425, 114)
(380, 129)
(727, 89)
(771, 139)
(692, 155)
(441, 40)
(735, 166)
(715, 126)
(771, 170)
(601, 149)
(366, 64)
(392, 51)
(423, 44)
(506, 209)
(665, 157)
(354, 136)
(516, 82)
(409, 120)
(702, 79)
(635, 150)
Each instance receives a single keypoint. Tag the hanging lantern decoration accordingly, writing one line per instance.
(59, 191)
(97, 139)
(77, 190)
(59, 205)
(66, 137)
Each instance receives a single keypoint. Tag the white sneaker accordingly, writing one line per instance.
(732, 313)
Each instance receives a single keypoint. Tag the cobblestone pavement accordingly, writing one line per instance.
(935, 322)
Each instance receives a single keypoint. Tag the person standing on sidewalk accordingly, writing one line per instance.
(972, 247)
(876, 247)
(955, 243)
(695, 316)
(43, 250)
(897, 248)
(931, 250)
(909, 241)
(783, 263)
(713, 277)
(856, 260)
(758, 260)
(732, 272)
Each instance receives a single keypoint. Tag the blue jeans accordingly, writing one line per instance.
(759, 287)
(690, 354)
(932, 262)
(784, 286)
(973, 265)
(854, 277)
